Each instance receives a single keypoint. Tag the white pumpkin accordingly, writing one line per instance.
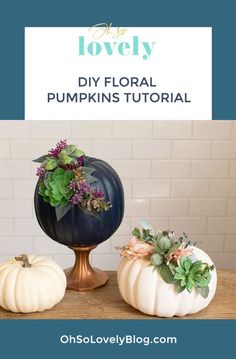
(30, 284)
(145, 290)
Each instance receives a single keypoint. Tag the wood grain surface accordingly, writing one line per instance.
(106, 303)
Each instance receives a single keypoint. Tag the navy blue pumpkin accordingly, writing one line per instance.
(77, 228)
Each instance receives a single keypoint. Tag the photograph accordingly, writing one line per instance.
(117, 219)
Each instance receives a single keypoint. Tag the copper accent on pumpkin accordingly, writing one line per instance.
(82, 277)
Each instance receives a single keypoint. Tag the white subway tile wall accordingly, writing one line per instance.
(176, 174)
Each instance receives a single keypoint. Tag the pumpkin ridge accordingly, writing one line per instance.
(54, 270)
(120, 200)
(53, 274)
(48, 283)
(43, 261)
(122, 273)
(15, 288)
(37, 292)
(24, 290)
(156, 300)
(129, 269)
(113, 177)
(111, 174)
(150, 274)
(6, 269)
(9, 288)
(133, 294)
(3, 267)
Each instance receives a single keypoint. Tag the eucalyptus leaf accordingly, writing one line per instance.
(136, 233)
(88, 170)
(90, 179)
(203, 291)
(40, 159)
(166, 273)
(61, 211)
(91, 213)
(180, 289)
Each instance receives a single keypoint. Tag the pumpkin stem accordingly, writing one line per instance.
(24, 258)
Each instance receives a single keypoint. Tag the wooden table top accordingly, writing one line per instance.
(106, 303)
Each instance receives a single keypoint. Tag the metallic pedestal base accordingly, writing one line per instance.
(82, 277)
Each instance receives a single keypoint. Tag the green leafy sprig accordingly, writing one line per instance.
(171, 258)
(67, 156)
(191, 275)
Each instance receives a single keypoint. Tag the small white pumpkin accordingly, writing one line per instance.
(145, 290)
(30, 284)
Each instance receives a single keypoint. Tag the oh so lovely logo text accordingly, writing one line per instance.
(134, 47)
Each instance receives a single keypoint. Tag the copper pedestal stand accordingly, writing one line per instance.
(82, 277)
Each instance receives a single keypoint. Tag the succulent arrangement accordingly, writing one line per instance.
(65, 181)
(172, 258)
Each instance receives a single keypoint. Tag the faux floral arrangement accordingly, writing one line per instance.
(65, 181)
(172, 258)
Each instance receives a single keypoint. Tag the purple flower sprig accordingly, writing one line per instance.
(61, 145)
(97, 193)
(40, 172)
(89, 198)
(78, 163)
(82, 191)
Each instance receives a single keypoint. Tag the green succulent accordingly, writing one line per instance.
(69, 154)
(156, 259)
(51, 163)
(193, 275)
(55, 187)
(66, 156)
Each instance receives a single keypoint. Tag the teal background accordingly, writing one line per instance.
(40, 339)
(15, 15)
